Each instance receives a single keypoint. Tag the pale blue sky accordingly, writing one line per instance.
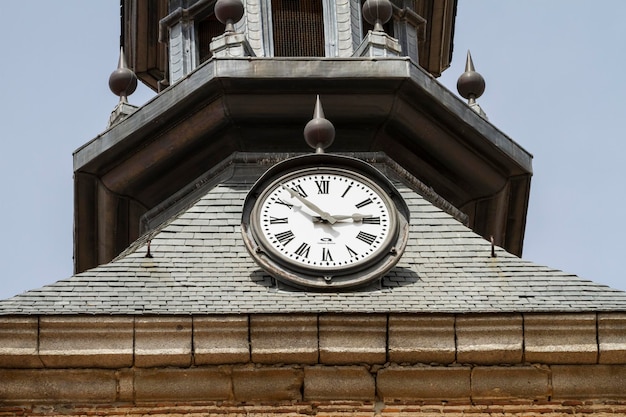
(555, 85)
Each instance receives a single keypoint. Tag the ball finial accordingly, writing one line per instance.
(470, 84)
(377, 13)
(123, 80)
(229, 12)
(319, 132)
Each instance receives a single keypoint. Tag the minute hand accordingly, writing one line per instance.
(323, 214)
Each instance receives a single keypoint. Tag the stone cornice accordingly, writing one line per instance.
(393, 357)
(327, 339)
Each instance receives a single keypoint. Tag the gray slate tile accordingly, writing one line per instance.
(200, 266)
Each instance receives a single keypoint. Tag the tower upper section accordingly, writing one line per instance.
(237, 76)
(167, 39)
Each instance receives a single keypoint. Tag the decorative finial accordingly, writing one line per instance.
(229, 12)
(319, 132)
(122, 83)
(123, 80)
(471, 85)
(377, 13)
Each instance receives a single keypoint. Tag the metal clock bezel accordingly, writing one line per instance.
(358, 274)
(267, 246)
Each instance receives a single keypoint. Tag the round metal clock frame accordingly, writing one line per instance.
(325, 221)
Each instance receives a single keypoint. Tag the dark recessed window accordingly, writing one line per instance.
(208, 28)
(298, 27)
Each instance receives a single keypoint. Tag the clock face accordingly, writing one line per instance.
(324, 220)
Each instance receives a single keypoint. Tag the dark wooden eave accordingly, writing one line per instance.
(262, 105)
(140, 39)
(435, 53)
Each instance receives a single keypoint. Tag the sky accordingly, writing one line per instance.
(555, 85)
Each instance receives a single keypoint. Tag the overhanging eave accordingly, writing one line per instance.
(263, 104)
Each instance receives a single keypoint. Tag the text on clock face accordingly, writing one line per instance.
(325, 220)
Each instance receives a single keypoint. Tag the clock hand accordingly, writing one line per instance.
(357, 217)
(323, 214)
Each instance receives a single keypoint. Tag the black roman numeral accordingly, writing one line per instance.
(364, 203)
(284, 203)
(371, 220)
(284, 237)
(322, 186)
(346, 192)
(351, 252)
(326, 255)
(366, 237)
(279, 220)
(298, 188)
(303, 250)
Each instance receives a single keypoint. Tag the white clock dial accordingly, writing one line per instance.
(325, 220)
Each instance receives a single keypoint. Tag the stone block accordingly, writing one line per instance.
(162, 341)
(220, 340)
(378, 44)
(511, 382)
(125, 385)
(421, 339)
(560, 338)
(252, 383)
(327, 383)
(489, 339)
(354, 339)
(279, 338)
(424, 383)
(57, 385)
(612, 338)
(86, 341)
(231, 45)
(192, 384)
(18, 342)
(589, 382)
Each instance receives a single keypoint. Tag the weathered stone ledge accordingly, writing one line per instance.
(114, 342)
(386, 384)
(330, 409)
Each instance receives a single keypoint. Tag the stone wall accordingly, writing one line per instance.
(314, 364)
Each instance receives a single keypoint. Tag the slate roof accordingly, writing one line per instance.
(200, 266)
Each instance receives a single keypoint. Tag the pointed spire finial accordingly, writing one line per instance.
(377, 13)
(471, 85)
(121, 63)
(229, 12)
(469, 64)
(123, 80)
(319, 132)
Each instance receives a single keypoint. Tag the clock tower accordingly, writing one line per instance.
(247, 84)
(227, 265)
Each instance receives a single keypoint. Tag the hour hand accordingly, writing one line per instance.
(357, 217)
(323, 214)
